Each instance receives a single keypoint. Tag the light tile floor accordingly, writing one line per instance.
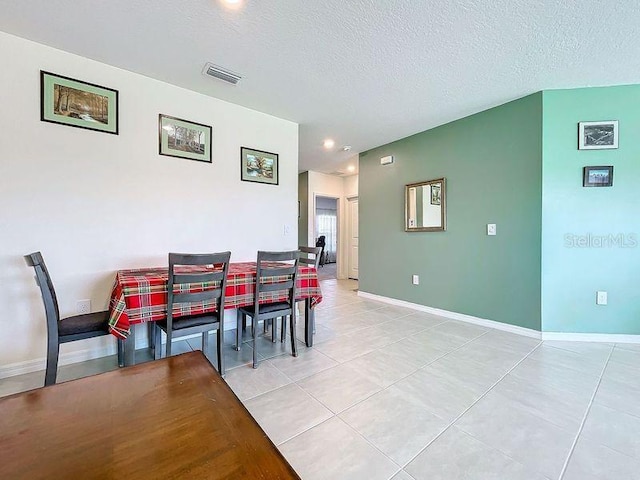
(390, 393)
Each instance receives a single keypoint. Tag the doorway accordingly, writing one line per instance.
(326, 230)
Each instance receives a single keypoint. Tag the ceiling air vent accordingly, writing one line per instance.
(221, 73)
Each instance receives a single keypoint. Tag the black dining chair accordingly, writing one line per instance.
(214, 280)
(310, 255)
(273, 278)
(68, 329)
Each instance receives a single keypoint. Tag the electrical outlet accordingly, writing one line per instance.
(601, 298)
(415, 280)
(287, 229)
(491, 228)
(83, 306)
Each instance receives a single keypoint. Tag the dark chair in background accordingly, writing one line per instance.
(321, 242)
(272, 278)
(201, 323)
(69, 329)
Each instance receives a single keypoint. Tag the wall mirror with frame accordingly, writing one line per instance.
(425, 206)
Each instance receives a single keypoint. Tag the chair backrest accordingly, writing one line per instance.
(310, 255)
(215, 277)
(277, 277)
(321, 242)
(49, 298)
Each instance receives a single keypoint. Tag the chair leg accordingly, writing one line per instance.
(51, 373)
(255, 351)
(274, 329)
(151, 333)
(205, 343)
(120, 343)
(241, 323)
(294, 349)
(157, 352)
(264, 326)
(220, 343)
(283, 330)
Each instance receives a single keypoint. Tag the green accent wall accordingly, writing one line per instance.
(572, 274)
(492, 162)
(303, 208)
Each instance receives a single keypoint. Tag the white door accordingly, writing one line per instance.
(352, 231)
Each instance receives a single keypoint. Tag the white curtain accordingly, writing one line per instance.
(327, 225)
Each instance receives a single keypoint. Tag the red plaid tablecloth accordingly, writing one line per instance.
(140, 295)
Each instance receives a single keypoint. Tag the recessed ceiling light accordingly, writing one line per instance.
(232, 3)
(351, 168)
(346, 148)
(328, 143)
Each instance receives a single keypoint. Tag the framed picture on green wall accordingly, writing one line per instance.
(598, 135)
(75, 103)
(597, 176)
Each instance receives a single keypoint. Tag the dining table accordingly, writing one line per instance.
(169, 419)
(140, 295)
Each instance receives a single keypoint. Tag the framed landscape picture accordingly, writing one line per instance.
(184, 139)
(597, 176)
(258, 166)
(598, 135)
(79, 104)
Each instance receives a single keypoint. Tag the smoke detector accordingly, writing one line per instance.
(220, 73)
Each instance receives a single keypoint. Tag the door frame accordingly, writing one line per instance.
(348, 234)
(338, 200)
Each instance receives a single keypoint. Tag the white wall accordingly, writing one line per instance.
(323, 185)
(94, 203)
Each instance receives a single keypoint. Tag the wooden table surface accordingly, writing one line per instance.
(171, 418)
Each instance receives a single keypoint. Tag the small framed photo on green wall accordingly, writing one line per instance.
(597, 176)
(75, 103)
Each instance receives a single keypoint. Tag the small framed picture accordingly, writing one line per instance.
(184, 139)
(75, 103)
(258, 166)
(435, 194)
(597, 176)
(598, 135)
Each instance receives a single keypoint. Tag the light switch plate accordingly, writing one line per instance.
(491, 228)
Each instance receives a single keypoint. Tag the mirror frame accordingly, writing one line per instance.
(443, 204)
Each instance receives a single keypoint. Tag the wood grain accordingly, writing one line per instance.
(172, 418)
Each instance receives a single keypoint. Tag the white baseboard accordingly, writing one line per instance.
(591, 337)
(77, 356)
(39, 364)
(527, 332)
(556, 336)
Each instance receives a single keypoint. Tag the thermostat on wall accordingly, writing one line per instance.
(386, 160)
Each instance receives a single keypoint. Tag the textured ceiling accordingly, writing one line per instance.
(364, 72)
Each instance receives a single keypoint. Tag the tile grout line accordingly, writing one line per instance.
(337, 415)
(584, 418)
(473, 404)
